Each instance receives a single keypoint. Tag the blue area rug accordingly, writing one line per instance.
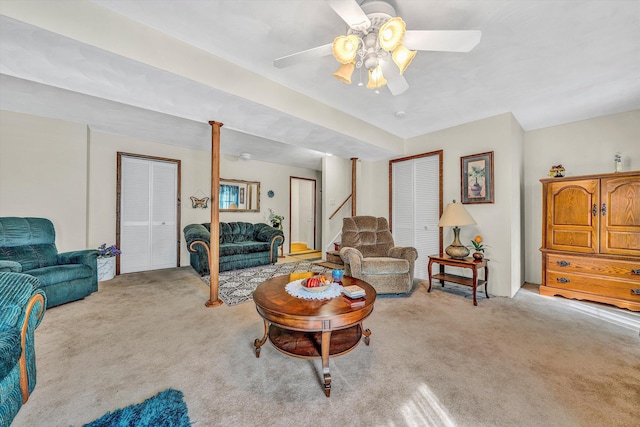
(165, 409)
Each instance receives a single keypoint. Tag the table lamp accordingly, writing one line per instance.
(455, 215)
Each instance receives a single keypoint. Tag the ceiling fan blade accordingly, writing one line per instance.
(303, 56)
(351, 13)
(396, 82)
(442, 41)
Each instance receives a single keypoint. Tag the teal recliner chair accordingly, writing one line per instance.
(28, 245)
(22, 306)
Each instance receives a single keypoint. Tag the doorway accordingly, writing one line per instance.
(147, 213)
(416, 205)
(302, 205)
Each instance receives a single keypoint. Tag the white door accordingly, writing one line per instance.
(303, 207)
(416, 207)
(148, 214)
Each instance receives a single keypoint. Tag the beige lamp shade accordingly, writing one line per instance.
(376, 79)
(391, 34)
(345, 48)
(403, 57)
(455, 215)
(344, 72)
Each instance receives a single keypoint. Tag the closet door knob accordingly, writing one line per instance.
(604, 209)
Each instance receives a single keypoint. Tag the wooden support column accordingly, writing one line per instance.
(354, 164)
(214, 240)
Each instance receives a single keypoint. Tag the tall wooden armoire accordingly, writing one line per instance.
(591, 238)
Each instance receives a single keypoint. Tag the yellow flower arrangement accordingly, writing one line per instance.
(477, 244)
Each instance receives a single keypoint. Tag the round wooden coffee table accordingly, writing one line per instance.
(312, 328)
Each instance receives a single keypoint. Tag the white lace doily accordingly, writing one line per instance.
(296, 289)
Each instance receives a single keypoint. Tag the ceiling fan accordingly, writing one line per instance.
(378, 40)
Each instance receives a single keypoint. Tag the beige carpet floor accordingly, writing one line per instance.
(434, 360)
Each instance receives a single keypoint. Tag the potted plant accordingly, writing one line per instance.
(107, 261)
(479, 247)
(276, 220)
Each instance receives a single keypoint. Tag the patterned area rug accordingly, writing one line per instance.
(237, 286)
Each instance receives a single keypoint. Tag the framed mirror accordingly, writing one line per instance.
(239, 196)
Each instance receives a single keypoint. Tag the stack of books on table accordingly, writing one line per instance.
(354, 295)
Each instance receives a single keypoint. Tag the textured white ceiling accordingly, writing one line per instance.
(547, 62)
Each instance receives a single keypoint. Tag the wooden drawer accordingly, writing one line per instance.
(614, 288)
(605, 268)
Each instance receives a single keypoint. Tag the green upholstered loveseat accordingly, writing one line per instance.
(242, 245)
(28, 245)
(22, 306)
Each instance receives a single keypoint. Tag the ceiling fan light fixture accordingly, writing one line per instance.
(403, 57)
(376, 79)
(344, 72)
(391, 34)
(345, 48)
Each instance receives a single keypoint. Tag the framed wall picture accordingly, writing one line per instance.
(477, 178)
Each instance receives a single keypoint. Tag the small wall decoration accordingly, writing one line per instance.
(199, 203)
(477, 178)
(270, 193)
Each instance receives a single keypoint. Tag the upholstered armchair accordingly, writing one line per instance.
(28, 245)
(22, 306)
(369, 254)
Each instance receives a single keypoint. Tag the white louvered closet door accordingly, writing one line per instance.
(416, 205)
(148, 215)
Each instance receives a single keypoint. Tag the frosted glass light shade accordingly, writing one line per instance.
(376, 79)
(391, 34)
(345, 48)
(344, 72)
(403, 57)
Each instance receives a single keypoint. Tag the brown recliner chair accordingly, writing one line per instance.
(369, 254)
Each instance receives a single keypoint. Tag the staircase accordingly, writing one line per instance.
(334, 255)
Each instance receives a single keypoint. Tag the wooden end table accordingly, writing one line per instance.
(471, 263)
(311, 328)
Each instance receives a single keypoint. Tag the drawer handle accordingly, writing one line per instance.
(635, 291)
(563, 263)
(563, 280)
(637, 272)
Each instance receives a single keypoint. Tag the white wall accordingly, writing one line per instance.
(336, 187)
(43, 173)
(271, 177)
(583, 148)
(494, 221)
(373, 189)
(67, 173)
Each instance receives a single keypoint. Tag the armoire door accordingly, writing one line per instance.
(573, 211)
(620, 216)
(416, 206)
(148, 214)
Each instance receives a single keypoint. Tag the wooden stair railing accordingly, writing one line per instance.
(340, 207)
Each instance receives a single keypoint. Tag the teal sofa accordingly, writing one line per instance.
(27, 245)
(242, 245)
(22, 306)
